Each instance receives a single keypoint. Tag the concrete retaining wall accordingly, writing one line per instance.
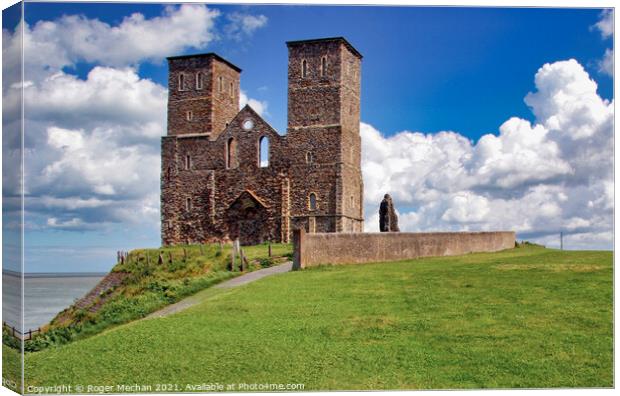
(357, 248)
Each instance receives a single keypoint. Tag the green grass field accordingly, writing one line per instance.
(527, 317)
(11, 368)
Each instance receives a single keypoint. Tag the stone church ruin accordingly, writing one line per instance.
(214, 183)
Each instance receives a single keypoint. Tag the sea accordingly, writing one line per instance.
(45, 294)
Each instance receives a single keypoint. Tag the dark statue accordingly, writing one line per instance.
(388, 221)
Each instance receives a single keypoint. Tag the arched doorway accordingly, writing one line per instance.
(248, 219)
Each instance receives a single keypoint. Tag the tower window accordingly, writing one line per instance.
(304, 68)
(168, 173)
(181, 82)
(231, 153)
(323, 66)
(312, 201)
(188, 162)
(309, 157)
(221, 83)
(263, 152)
(352, 202)
(199, 80)
(230, 87)
(188, 204)
(189, 115)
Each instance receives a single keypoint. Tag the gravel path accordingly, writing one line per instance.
(234, 282)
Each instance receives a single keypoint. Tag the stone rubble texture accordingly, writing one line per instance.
(212, 185)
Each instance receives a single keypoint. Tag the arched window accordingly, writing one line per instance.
(323, 66)
(188, 162)
(309, 157)
(199, 80)
(312, 201)
(188, 204)
(263, 152)
(304, 68)
(231, 153)
(181, 82)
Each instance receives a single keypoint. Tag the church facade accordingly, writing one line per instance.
(216, 185)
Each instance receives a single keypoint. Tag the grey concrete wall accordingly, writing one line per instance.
(357, 248)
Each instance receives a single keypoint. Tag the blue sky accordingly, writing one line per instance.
(429, 69)
(425, 71)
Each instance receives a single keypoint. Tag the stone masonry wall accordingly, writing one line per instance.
(357, 248)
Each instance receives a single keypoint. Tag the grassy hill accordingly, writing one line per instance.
(527, 317)
(146, 281)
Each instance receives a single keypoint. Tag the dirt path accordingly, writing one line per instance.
(235, 282)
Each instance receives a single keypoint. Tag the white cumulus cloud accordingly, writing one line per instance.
(243, 25)
(257, 105)
(606, 65)
(74, 38)
(537, 179)
(605, 24)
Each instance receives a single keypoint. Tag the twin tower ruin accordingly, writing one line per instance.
(215, 185)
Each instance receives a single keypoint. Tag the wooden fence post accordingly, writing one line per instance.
(243, 260)
(232, 258)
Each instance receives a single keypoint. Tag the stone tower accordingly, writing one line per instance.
(323, 126)
(203, 94)
(227, 174)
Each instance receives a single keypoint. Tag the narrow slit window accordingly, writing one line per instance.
(309, 157)
(312, 201)
(199, 81)
(230, 87)
(181, 82)
(189, 115)
(188, 204)
(221, 83)
(323, 66)
(304, 68)
(188, 162)
(263, 152)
